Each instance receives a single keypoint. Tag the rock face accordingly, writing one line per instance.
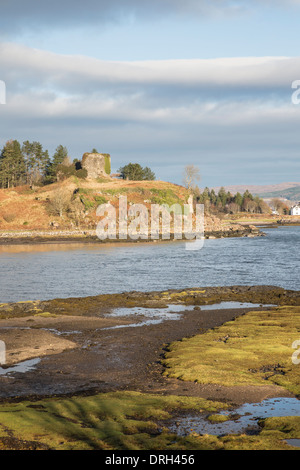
(96, 164)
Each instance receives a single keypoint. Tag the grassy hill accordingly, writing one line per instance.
(69, 208)
(73, 202)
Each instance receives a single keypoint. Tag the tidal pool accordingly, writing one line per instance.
(21, 367)
(241, 420)
(223, 305)
(172, 312)
(153, 315)
(293, 442)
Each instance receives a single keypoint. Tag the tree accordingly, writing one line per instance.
(148, 174)
(190, 176)
(60, 202)
(222, 196)
(59, 157)
(37, 160)
(135, 172)
(12, 165)
(238, 199)
(279, 206)
(213, 197)
(247, 195)
(263, 207)
(233, 207)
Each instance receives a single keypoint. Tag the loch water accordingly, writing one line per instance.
(47, 271)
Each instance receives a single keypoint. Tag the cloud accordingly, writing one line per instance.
(170, 112)
(25, 66)
(18, 15)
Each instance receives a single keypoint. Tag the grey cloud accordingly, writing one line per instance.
(49, 84)
(227, 116)
(34, 13)
(20, 15)
(25, 67)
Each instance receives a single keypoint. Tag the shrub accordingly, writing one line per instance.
(59, 203)
(65, 171)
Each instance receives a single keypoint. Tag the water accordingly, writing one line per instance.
(249, 414)
(223, 305)
(293, 442)
(158, 315)
(21, 367)
(51, 271)
(154, 315)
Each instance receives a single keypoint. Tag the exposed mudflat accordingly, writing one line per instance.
(93, 350)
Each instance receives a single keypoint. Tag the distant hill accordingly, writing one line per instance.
(292, 194)
(290, 191)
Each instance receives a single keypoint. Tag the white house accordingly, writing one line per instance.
(295, 210)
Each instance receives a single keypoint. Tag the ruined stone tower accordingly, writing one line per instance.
(96, 164)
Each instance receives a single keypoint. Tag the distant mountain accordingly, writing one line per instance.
(292, 194)
(290, 191)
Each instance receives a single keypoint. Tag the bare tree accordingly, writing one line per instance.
(190, 176)
(60, 202)
(279, 206)
(233, 208)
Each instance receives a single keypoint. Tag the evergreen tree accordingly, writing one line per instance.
(222, 196)
(238, 199)
(247, 195)
(12, 165)
(148, 174)
(37, 161)
(59, 156)
(205, 195)
(213, 197)
(135, 172)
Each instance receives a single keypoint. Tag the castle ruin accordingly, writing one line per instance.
(96, 164)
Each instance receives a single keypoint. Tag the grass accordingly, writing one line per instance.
(118, 421)
(254, 349)
(165, 197)
(125, 421)
(121, 190)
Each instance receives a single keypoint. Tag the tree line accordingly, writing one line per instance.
(224, 201)
(29, 163)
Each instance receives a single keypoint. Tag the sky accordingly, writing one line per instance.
(163, 83)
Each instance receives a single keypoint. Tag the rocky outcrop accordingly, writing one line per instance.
(216, 228)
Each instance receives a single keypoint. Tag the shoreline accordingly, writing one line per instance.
(89, 236)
